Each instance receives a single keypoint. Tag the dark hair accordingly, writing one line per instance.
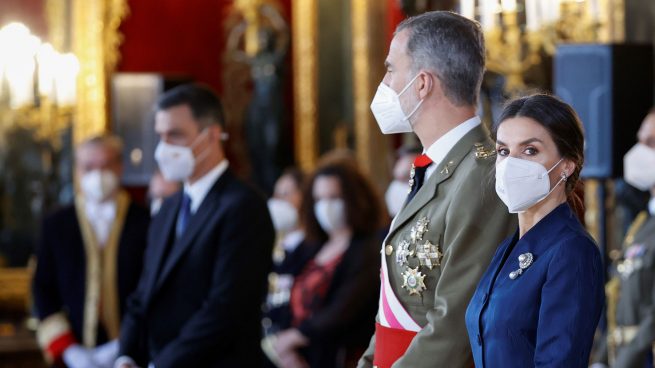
(450, 46)
(205, 105)
(563, 125)
(363, 205)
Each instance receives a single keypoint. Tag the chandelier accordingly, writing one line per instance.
(37, 84)
(519, 33)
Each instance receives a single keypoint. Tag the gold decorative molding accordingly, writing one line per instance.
(96, 39)
(305, 91)
(56, 19)
(368, 50)
(592, 207)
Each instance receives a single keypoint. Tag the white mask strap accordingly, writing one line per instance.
(554, 166)
(408, 84)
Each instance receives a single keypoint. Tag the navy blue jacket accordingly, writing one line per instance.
(59, 280)
(546, 316)
(198, 303)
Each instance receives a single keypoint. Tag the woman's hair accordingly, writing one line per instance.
(362, 203)
(296, 175)
(564, 127)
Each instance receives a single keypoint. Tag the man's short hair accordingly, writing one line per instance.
(205, 105)
(450, 46)
(111, 141)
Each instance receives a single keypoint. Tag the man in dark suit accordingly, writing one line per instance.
(89, 260)
(198, 303)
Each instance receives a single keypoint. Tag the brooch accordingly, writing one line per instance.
(525, 260)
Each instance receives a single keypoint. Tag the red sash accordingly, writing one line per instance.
(390, 345)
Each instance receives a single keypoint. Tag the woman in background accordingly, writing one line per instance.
(540, 300)
(333, 298)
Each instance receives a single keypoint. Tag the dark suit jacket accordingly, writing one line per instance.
(200, 305)
(546, 316)
(59, 280)
(346, 319)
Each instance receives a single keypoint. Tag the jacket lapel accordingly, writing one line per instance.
(197, 222)
(160, 238)
(445, 169)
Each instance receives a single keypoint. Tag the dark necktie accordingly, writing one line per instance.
(417, 176)
(183, 216)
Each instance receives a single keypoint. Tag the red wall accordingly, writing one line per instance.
(176, 37)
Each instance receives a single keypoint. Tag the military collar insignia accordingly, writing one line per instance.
(481, 152)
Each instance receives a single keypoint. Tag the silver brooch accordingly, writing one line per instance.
(525, 260)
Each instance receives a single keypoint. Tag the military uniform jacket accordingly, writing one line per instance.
(438, 247)
(636, 301)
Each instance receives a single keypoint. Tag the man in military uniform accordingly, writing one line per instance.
(443, 238)
(631, 292)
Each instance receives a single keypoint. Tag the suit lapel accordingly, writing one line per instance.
(445, 169)
(196, 223)
(161, 237)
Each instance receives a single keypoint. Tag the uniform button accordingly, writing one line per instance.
(479, 340)
(388, 249)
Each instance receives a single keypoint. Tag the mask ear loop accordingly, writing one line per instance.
(409, 116)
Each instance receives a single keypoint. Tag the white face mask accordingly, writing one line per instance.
(177, 162)
(283, 214)
(639, 167)
(521, 184)
(331, 214)
(395, 196)
(97, 185)
(389, 113)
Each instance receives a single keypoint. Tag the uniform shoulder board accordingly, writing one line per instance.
(482, 152)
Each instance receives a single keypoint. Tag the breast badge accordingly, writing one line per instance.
(413, 281)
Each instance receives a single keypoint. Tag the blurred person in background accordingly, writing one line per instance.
(630, 338)
(284, 207)
(89, 259)
(334, 295)
(398, 189)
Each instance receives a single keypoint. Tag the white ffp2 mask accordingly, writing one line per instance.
(389, 113)
(97, 185)
(639, 167)
(177, 162)
(331, 214)
(521, 184)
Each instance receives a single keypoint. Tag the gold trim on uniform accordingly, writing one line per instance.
(413, 281)
(101, 278)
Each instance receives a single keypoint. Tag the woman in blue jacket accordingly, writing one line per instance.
(540, 300)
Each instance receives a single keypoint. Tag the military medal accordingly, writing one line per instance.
(525, 260)
(402, 252)
(417, 231)
(413, 281)
(429, 255)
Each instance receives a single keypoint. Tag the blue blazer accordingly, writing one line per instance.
(546, 316)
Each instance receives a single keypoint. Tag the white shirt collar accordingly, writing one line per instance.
(101, 217)
(439, 149)
(198, 190)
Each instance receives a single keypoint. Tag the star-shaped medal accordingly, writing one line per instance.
(429, 254)
(413, 281)
(420, 228)
(402, 252)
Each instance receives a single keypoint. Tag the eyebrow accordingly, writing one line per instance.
(527, 141)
